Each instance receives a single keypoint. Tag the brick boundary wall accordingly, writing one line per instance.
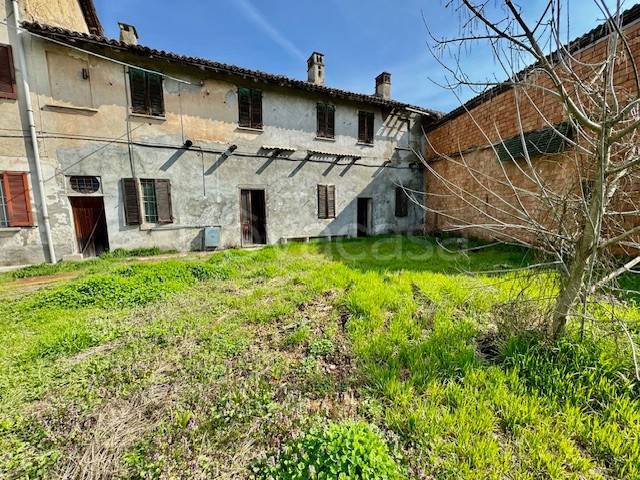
(467, 138)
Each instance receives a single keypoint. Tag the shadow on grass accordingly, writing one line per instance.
(425, 254)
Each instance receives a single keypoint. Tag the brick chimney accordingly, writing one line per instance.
(383, 85)
(315, 68)
(128, 34)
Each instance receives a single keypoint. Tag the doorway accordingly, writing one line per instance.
(253, 217)
(90, 225)
(364, 217)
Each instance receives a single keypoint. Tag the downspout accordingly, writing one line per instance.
(33, 134)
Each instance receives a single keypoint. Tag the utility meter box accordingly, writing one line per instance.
(212, 238)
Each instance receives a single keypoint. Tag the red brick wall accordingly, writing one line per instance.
(473, 166)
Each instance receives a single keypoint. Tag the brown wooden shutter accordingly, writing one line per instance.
(331, 201)
(256, 109)
(362, 127)
(322, 201)
(402, 205)
(369, 121)
(131, 202)
(244, 107)
(7, 73)
(163, 200)
(322, 120)
(138, 87)
(156, 94)
(16, 191)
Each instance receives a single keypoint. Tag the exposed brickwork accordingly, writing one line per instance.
(480, 174)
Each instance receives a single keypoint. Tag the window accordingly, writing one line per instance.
(84, 184)
(7, 73)
(15, 204)
(250, 108)
(547, 141)
(147, 97)
(156, 201)
(402, 202)
(365, 127)
(326, 201)
(326, 120)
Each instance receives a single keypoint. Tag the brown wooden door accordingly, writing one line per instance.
(90, 225)
(253, 218)
(364, 207)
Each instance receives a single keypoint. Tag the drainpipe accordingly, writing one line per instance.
(33, 134)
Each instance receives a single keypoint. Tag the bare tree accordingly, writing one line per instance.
(587, 220)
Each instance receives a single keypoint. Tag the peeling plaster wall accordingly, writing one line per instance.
(87, 134)
(62, 13)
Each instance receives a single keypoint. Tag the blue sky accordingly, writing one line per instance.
(359, 38)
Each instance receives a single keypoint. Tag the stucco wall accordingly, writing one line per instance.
(85, 127)
(62, 13)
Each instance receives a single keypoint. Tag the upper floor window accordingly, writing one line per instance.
(250, 108)
(7, 73)
(15, 204)
(147, 97)
(326, 120)
(365, 127)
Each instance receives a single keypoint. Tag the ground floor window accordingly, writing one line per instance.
(15, 202)
(149, 201)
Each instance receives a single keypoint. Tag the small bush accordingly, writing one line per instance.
(136, 252)
(321, 347)
(350, 450)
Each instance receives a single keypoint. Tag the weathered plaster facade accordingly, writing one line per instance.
(85, 127)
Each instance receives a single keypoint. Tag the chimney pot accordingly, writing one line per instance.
(383, 85)
(128, 34)
(315, 68)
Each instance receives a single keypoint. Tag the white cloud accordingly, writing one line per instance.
(253, 14)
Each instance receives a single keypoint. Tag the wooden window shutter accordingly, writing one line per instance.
(16, 190)
(331, 201)
(156, 94)
(244, 107)
(322, 119)
(362, 127)
(331, 121)
(138, 87)
(322, 201)
(256, 109)
(7, 73)
(402, 205)
(131, 201)
(369, 120)
(163, 200)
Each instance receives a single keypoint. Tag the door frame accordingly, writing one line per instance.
(70, 199)
(259, 188)
(368, 230)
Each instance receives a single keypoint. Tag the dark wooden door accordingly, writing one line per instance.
(90, 225)
(363, 216)
(253, 218)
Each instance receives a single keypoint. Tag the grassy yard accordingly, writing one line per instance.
(380, 358)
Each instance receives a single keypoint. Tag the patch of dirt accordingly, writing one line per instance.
(29, 285)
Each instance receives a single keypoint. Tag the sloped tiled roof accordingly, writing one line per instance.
(89, 41)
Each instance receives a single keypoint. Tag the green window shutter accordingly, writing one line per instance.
(256, 109)
(156, 94)
(331, 121)
(138, 88)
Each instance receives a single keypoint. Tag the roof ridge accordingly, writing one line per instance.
(60, 33)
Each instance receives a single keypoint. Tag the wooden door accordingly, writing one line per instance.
(364, 207)
(253, 218)
(90, 225)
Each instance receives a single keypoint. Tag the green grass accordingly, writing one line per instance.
(375, 357)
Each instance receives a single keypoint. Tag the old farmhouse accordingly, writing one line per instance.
(110, 144)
